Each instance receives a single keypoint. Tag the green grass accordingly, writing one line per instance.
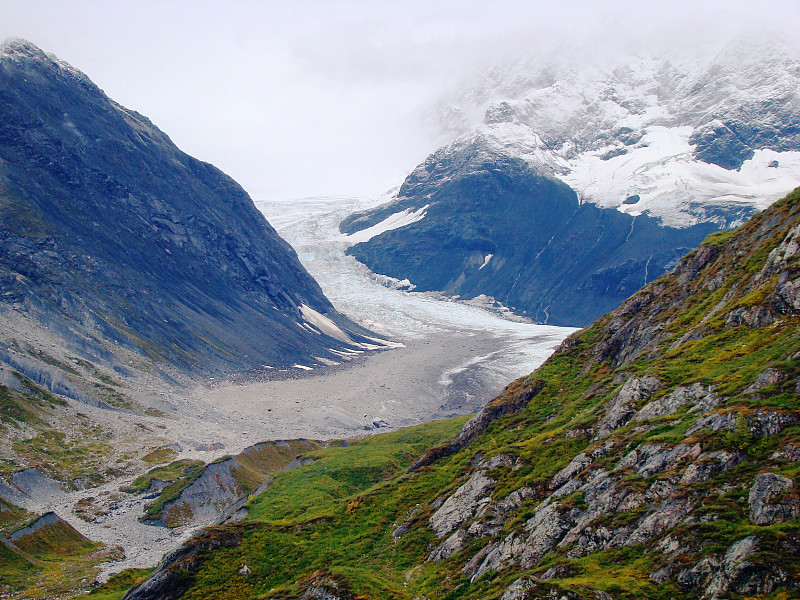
(56, 540)
(83, 454)
(13, 517)
(339, 473)
(15, 570)
(259, 462)
(16, 407)
(169, 473)
(719, 239)
(160, 455)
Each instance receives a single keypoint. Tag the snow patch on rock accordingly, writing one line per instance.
(395, 221)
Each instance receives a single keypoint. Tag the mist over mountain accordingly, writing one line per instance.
(652, 126)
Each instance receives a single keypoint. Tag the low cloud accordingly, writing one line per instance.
(329, 98)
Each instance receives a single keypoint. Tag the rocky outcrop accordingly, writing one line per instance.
(649, 459)
(769, 502)
(526, 588)
(755, 317)
(462, 505)
(768, 422)
(717, 576)
(575, 467)
(489, 521)
(709, 464)
(46, 376)
(454, 543)
(323, 585)
(623, 407)
(767, 377)
(699, 397)
(716, 422)
(788, 453)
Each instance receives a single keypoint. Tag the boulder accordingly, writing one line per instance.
(764, 510)
(462, 505)
(680, 396)
(709, 464)
(769, 376)
(622, 408)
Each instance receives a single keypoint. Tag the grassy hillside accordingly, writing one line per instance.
(48, 559)
(656, 455)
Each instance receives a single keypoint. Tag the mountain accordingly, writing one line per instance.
(676, 146)
(125, 249)
(654, 455)
(491, 224)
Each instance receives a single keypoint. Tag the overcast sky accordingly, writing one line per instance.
(302, 98)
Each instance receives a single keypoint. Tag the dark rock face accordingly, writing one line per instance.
(494, 225)
(720, 144)
(111, 234)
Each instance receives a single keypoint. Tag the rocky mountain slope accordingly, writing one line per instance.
(494, 225)
(115, 241)
(654, 455)
(670, 143)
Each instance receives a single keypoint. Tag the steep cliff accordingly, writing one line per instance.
(112, 239)
(495, 225)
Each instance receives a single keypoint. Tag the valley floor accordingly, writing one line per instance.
(447, 358)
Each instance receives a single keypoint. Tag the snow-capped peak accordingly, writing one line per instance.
(685, 140)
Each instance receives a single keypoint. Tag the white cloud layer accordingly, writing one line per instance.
(299, 98)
